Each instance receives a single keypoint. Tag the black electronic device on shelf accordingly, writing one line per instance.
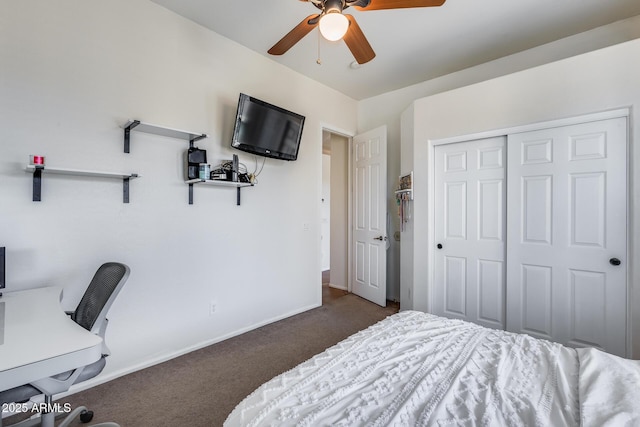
(234, 169)
(194, 157)
(229, 170)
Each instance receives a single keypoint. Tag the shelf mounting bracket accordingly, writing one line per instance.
(195, 139)
(127, 134)
(125, 189)
(37, 184)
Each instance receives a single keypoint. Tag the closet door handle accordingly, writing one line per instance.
(439, 246)
(615, 261)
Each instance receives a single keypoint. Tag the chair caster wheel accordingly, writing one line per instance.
(86, 416)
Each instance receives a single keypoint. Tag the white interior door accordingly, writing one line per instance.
(369, 215)
(567, 221)
(470, 231)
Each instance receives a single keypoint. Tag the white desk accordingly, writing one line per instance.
(38, 340)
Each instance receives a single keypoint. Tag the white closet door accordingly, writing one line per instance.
(470, 231)
(567, 229)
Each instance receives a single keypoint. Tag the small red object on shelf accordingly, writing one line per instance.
(37, 160)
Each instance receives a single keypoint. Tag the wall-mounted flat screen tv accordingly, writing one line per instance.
(267, 130)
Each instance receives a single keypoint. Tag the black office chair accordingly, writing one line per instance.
(90, 314)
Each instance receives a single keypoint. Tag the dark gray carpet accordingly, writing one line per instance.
(202, 387)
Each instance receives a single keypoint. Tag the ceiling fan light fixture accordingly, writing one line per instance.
(333, 26)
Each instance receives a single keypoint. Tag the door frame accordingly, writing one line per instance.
(603, 115)
(349, 136)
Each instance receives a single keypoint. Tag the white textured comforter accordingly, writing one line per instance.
(416, 369)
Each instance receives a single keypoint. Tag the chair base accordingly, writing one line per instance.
(48, 419)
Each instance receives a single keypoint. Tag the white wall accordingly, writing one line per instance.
(388, 107)
(340, 211)
(602, 80)
(407, 235)
(72, 73)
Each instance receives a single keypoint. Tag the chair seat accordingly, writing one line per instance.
(25, 392)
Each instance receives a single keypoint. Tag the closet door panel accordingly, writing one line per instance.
(567, 218)
(455, 285)
(491, 291)
(537, 204)
(470, 231)
(536, 300)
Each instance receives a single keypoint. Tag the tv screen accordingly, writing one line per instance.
(267, 130)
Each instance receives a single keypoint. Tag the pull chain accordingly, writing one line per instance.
(319, 61)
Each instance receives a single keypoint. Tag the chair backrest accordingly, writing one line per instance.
(102, 291)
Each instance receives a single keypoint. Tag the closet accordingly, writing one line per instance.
(530, 233)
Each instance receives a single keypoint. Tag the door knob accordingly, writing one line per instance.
(381, 238)
(615, 261)
(439, 246)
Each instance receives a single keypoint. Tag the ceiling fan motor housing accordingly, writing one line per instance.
(333, 6)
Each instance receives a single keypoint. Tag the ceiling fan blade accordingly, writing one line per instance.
(357, 42)
(399, 4)
(295, 35)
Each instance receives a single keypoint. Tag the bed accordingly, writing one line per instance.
(417, 369)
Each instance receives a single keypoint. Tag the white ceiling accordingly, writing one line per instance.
(412, 45)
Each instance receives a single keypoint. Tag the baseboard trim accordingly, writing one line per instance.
(101, 379)
(342, 288)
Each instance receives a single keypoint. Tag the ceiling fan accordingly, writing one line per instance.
(334, 25)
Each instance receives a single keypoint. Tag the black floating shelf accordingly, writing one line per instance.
(214, 182)
(39, 170)
(139, 126)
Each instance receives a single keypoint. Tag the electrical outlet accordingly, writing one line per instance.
(212, 308)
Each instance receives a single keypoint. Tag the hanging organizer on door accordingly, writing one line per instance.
(404, 197)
